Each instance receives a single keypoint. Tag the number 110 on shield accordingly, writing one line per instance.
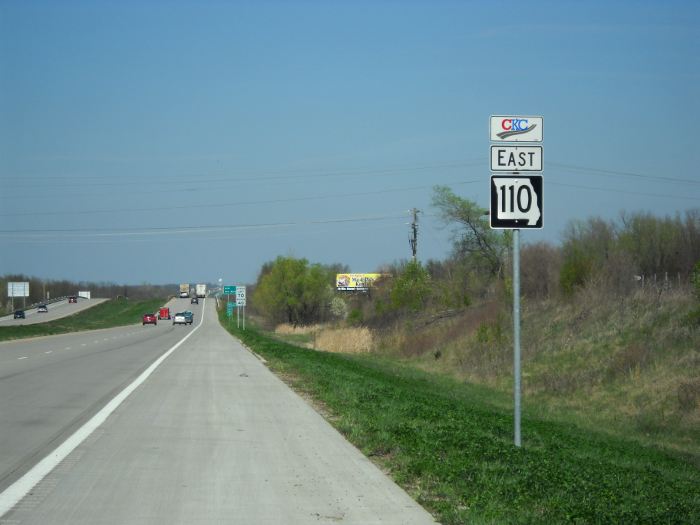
(516, 202)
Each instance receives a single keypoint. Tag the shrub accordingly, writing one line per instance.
(411, 289)
(355, 317)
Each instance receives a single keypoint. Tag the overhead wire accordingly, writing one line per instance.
(170, 230)
(237, 203)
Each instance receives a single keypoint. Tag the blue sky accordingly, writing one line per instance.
(187, 141)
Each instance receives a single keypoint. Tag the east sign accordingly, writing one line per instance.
(516, 158)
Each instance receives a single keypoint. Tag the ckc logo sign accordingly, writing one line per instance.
(513, 126)
(515, 129)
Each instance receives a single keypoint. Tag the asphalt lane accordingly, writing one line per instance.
(213, 437)
(49, 386)
(57, 310)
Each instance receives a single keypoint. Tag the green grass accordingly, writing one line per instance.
(452, 449)
(115, 312)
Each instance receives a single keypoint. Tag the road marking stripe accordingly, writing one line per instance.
(13, 494)
(50, 351)
(20, 358)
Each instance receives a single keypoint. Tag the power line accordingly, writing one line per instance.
(97, 232)
(626, 192)
(622, 173)
(238, 203)
(17, 182)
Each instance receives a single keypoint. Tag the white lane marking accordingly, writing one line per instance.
(50, 351)
(13, 494)
(20, 358)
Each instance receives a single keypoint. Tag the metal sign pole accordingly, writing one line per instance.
(516, 331)
(238, 317)
(244, 318)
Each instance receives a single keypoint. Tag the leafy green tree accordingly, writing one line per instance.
(473, 237)
(290, 290)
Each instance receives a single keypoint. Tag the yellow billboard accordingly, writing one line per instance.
(355, 281)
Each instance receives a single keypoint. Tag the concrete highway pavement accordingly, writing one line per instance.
(213, 437)
(49, 386)
(57, 310)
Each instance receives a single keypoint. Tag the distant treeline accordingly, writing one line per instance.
(41, 290)
(637, 250)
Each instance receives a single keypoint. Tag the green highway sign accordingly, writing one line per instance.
(229, 290)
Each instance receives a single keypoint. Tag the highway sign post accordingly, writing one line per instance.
(516, 202)
(241, 300)
(228, 291)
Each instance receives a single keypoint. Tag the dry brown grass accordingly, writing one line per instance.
(345, 340)
(288, 329)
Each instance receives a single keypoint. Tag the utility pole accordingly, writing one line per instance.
(413, 237)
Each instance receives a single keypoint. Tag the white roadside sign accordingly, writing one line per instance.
(514, 128)
(516, 158)
(18, 289)
(240, 296)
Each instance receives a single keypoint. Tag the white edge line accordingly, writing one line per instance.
(13, 494)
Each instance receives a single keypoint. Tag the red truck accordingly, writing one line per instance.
(164, 313)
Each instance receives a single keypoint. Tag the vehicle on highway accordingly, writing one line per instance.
(189, 316)
(72, 299)
(19, 314)
(194, 300)
(164, 313)
(149, 319)
(180, 318)
(42, 309)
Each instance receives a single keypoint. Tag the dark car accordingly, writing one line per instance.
(189, 316)
(149, 319)
(72, 299)
(19, 314)
(42, 309)
(194, 300)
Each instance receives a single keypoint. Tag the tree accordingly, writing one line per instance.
(290, 290)
(473, 238)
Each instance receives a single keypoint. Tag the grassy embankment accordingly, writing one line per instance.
(449, 444)
(115, 312)
(629, 365)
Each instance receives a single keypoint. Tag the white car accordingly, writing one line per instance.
(180, 318)
(42, 309)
